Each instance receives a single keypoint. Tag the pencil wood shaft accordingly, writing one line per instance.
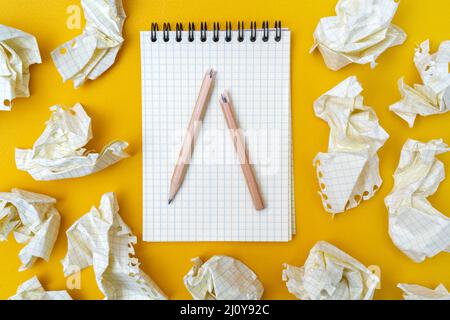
(241, 150)
(193, 129)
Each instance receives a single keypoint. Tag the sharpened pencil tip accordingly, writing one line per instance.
(170, 201)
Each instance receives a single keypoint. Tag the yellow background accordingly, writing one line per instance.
(114, 103)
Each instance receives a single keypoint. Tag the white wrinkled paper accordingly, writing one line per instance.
(359, 33)
(330, 274)
(416, 292)
(417, 229)
(102, 239)
(34, 221)
(59, 152)
(18, 51)
(433, 97)
(222, 278)
(349, 172)
(89, 55)
(33, 290)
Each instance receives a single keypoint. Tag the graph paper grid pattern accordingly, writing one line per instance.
(214, 203)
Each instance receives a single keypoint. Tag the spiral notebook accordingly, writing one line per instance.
(214, 203)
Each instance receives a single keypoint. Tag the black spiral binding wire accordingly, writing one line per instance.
(228, 32)
(265, 27)
(203, 30)
(278, 31)
(241, 28)
(191, 36)
(179, 33)
(166, 32)
(154, 30)
(253, 31)
(216, 31)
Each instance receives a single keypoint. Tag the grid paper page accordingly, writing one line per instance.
(418, 229)
(214, 203)
(222, 278)
(101, 239)
(18, 51)
(33, 290)
(35, 217)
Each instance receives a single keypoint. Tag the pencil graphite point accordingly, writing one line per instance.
(170, 201)
(224, 98)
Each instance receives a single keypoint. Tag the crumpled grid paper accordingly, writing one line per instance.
(222, 278)
(433, 97)
(102, 239)
(349, 172)
(330, 274)
(33, 290)
(89, 55)
(416, 228)
(59, 153)
(359, 33)
(18, 50)
(416, 292)
(33, 219)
